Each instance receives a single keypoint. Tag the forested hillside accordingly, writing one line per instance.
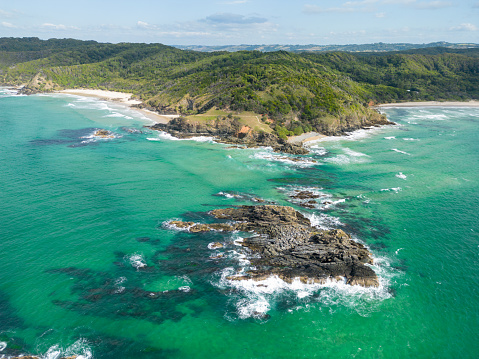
(299, 91)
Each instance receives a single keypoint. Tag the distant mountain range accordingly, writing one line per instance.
(376, 47)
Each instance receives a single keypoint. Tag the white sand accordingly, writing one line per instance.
(305, 137)
(120, 98)
(432, 104)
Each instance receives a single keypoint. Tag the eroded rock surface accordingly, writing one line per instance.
(290, 247)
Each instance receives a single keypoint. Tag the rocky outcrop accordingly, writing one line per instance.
(287, 245)
(103, 134)
(228, 130)
(352, 122)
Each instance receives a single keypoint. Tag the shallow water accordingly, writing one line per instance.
(90, 266)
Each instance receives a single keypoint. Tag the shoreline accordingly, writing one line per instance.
(119, 98)
(306, 137)
(471, 103)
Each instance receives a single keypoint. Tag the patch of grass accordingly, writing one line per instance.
(247, 118)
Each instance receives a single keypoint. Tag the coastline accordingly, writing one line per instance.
(471, 103)
(305, 137)
(121, 98)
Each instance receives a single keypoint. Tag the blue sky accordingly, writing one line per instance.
(222, 22)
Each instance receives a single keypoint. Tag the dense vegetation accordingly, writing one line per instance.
(300, 91)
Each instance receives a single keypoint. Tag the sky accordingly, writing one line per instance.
(234, 22)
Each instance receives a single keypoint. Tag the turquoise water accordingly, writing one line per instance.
(90, 266)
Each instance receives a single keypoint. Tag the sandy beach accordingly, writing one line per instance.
(305, 137)
(119, 98)
(124, 98)
(432, 104)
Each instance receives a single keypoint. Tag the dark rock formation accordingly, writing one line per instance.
(289, 247)
(228, 131)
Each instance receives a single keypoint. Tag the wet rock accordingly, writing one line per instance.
(103, 134)
(215, 245)
(228, 131)
(200, 227)
(304, 195)
(289, 247)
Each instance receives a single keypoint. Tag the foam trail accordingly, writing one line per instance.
(137, 261)
(399, 151)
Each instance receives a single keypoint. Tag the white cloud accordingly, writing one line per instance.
(58, 27)
(237, 2)
(465, 27)
(4, 13)
(9, 25)
(144, 25)
(380, 15)
(432, 5)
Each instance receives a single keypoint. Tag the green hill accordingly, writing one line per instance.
(327, 92)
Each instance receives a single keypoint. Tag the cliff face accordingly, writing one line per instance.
(232, 131)
(348, 123)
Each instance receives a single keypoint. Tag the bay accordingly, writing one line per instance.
(89, 265)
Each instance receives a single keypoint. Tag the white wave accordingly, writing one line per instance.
(227, 195)
(411, 139)
(119, 115)
(353, 136)
(352, 153)
(3, 345)
(184, 288)
(328, 203)
(390, 138)
(323, 221)
(70, 105)
(401, 175)
(302, 162)
(80, 349)
(7, 92)
(320, 151)
(240, 257)
(399, 151)
(437, 117)
(118, 283)
(166, 136)
(256, 298)
(394, 189)
(397, 251)
(137, 261)
(200, 139)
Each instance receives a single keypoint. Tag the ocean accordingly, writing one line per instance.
(90, 265)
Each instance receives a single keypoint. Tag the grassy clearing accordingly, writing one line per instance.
(247, 118)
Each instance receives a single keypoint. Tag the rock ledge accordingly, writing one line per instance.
(290, 247)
